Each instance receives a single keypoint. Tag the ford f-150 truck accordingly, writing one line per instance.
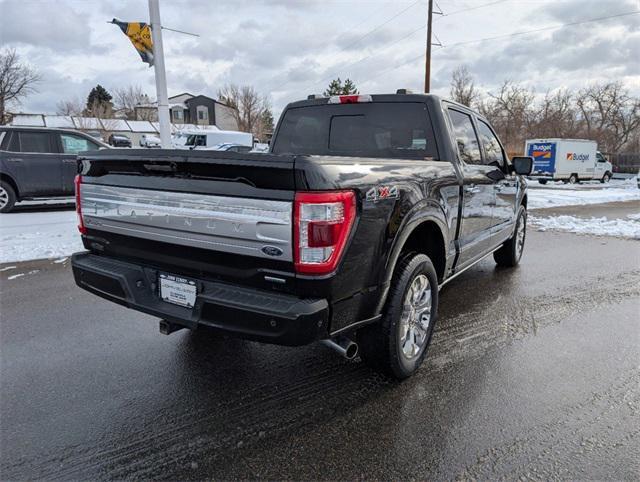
(344, 232)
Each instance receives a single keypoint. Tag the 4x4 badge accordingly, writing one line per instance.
(380, 193)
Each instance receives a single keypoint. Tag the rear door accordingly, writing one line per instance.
(35, 160)
(478, 193)
(544, 157)
(70, 145)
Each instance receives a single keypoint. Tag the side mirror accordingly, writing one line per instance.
(522, 165)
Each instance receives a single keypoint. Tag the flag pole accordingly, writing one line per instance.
(161, 76)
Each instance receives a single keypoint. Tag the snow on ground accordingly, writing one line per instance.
(53, 234)
(38, 235)
(558, 194)
(622, 228)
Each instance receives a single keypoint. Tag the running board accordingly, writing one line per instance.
(455, 275)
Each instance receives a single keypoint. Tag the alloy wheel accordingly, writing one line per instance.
(520, 235)
(416, 317)
(4, 197)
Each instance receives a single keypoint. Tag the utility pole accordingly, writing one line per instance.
(161, 75)
(427, 63)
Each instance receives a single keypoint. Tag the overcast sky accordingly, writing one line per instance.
(288, 49)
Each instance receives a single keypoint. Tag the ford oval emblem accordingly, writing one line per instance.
(272, 251)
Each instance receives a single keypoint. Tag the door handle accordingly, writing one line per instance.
(471, 189)
(69, 161)
(15, 159)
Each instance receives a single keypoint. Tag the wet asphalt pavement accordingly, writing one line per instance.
(533, 373)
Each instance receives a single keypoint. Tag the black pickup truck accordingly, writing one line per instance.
(344, 232)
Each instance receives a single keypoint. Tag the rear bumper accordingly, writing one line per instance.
(244, 312)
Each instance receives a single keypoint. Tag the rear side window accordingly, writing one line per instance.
(378, 129)
(35, 142)
(13, 143)
(465, 137)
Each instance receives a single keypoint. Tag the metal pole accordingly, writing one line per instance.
(427, 63)
(161, 76)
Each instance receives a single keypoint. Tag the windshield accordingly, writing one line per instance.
(394, 130)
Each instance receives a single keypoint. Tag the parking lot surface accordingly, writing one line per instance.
(533, 372)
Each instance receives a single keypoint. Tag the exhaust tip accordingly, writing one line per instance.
(344, 346)
(351, 351)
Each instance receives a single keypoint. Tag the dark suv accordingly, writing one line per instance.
(39, 162)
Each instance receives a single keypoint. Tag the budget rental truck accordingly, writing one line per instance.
(568, 160)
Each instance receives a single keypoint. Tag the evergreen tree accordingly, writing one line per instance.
(266, 119)
(99, 99)
(336, 87)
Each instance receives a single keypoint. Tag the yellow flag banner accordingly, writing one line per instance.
(140, 35)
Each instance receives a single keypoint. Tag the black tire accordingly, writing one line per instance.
(542, 181)
(380, 343)
(573, 179)
(606, 178)
(7, 197)
(510, 252)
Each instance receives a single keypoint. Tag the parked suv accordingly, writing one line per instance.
(345, 232)
(39, 162)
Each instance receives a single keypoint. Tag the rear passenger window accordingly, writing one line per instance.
(492, 150)
(35, 142)
(465, 137)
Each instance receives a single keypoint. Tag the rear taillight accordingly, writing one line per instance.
(77, 183)
(323, 221)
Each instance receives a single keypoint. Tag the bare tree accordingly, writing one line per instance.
(248, 107)
(17, 80)
(125, 100)
(71, 107)
(463, 88)
(555, 116)
(608, 114)
(511, 112)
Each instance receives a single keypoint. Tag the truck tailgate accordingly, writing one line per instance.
(228, 215)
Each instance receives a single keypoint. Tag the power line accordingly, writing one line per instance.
(552, 27)
(351, 64)
(375, 29)
(455, 12)
(514, 34)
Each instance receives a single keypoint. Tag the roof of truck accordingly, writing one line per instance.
(374, 98)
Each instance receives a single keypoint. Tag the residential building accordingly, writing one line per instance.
(187, 108)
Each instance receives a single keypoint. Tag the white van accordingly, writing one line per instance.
(209, 139)
(568, 160)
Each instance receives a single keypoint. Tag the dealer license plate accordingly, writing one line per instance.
(176, 290)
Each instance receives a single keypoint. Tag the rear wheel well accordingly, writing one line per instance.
(427, 239)
(11, 182)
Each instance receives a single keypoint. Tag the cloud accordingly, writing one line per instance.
(288, 49)
(57, 29)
